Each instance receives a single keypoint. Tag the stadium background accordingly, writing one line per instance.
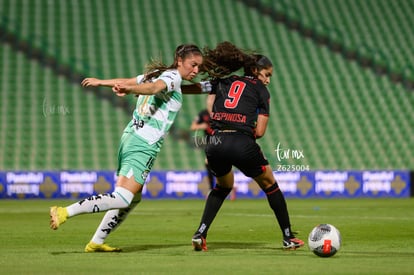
(342, 90)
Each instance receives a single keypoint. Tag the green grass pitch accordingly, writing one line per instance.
(377, 235)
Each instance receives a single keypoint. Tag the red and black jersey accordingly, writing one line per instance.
(239, 100)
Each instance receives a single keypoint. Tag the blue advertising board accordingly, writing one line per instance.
(194, 184)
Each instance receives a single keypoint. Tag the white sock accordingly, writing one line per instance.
(120, 198)
(105, 227)
(112, 220)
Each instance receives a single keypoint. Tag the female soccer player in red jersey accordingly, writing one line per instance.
(239, 111)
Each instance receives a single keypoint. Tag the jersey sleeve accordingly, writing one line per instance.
(140, 78)
(172, 79)
(264, 101)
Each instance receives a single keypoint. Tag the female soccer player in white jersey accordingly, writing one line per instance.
(160, 99)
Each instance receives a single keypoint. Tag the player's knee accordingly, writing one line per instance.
(265, 182)
(220, 191)
(124, 194)
(271, 189)
(266, 179)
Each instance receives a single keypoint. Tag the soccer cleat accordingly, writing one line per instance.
(199, 243)
(292, 243)
(58, 215)
(94, 247)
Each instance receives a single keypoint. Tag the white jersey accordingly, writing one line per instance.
(154, 114)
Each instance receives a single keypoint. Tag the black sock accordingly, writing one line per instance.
(278, 204)
(214, 201)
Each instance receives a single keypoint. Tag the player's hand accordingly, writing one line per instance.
(120, 89)
(90, 82)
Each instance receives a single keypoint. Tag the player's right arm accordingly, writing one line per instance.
(147, 88)
(95, 82)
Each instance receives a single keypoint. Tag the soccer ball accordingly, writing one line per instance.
(324, 240)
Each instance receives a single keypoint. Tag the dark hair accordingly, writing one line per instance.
(226, 58)
(156, 66)
(262, 62)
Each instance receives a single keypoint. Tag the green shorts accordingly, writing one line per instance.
(135, 156)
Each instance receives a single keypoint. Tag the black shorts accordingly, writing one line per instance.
(227, 149)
